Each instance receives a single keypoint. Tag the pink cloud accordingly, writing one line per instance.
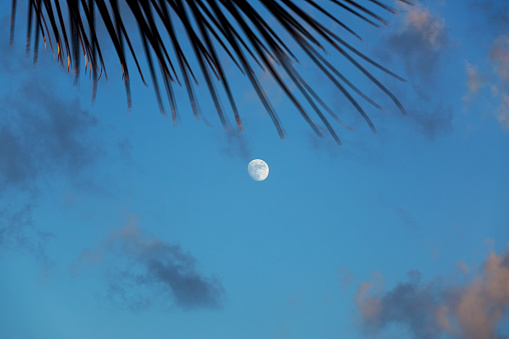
(499, 56)
(429, 310)
(474, 81)
(431, 27)
(498, 81)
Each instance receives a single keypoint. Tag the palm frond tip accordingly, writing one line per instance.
(235, 27)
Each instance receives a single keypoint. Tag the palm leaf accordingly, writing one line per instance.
(234, 28)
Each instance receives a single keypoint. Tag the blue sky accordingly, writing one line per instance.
(118, 224)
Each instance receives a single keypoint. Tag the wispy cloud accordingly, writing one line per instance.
(406, 217)
(143, 271)
(492, 17)
(41, 134)
(433, 122)
(497, 80)
(234, 144)
(17, 233)
(499, 55)
(345, 277)
(429, 310)
(419, 43)
(475, 81)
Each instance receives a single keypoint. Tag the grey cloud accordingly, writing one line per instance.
(345, 277)
(234, 144)
(144, 271)
(16, 165)
(41, 132)
(419, 43)
(434, 122)
(18, 233)
(412, 304)
(436, 309)
(494, 14)
(406, 217)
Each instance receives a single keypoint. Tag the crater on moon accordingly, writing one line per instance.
(258, 169)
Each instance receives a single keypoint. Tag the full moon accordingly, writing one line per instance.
(258, 169)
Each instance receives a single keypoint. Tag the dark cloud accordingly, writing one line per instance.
(16, 164)
(344, 277)
(433, 122)
(234, 144)
(42, 134)
(143, 271)
(39, 134)
(493, 14)
(418, 44)
(412, 304)
(18, 233)
(436, 309)
(406, 217)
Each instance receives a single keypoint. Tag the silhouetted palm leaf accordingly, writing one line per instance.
(234, 26)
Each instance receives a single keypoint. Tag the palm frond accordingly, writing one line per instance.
(235, 28)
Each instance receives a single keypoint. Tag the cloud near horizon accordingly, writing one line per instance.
(440, 308)
(142, 271)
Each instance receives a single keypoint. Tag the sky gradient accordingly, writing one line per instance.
(116, 224)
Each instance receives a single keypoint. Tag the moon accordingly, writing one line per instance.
(258, 169)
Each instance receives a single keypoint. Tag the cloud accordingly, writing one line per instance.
(419, 43)
(499, 55)
(503, 112)
(145, 270)
(234, 144)
(17, 233)
(41, 133)
(493, 14)
(490, 17)
(433, 309)
(434, 122)
(475, 81)
(498, 81)
(345, 277)
(406, 217)
(13, 230)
